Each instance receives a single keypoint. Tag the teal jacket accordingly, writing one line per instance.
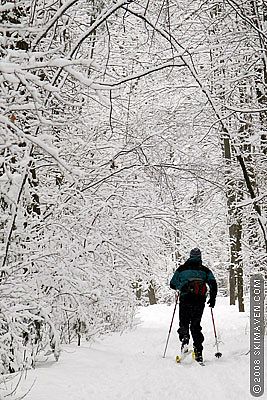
(193, 270)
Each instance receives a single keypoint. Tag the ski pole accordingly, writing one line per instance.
(176, 301)
(218, 354)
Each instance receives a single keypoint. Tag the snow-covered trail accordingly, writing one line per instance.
(131, 367)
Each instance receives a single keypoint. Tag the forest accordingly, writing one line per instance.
(130, 132)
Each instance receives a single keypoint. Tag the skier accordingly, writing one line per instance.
(190, 279)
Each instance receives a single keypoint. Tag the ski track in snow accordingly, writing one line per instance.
(130, 366)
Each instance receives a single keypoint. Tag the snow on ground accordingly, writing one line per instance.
(131, 367)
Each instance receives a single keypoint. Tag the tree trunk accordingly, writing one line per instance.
(151, 294)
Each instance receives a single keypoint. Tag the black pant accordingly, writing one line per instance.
(190, 315)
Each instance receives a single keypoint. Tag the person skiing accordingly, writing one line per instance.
(191, 279)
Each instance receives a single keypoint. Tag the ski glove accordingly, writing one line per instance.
(211, 302)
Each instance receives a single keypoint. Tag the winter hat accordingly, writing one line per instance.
(195, 253)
